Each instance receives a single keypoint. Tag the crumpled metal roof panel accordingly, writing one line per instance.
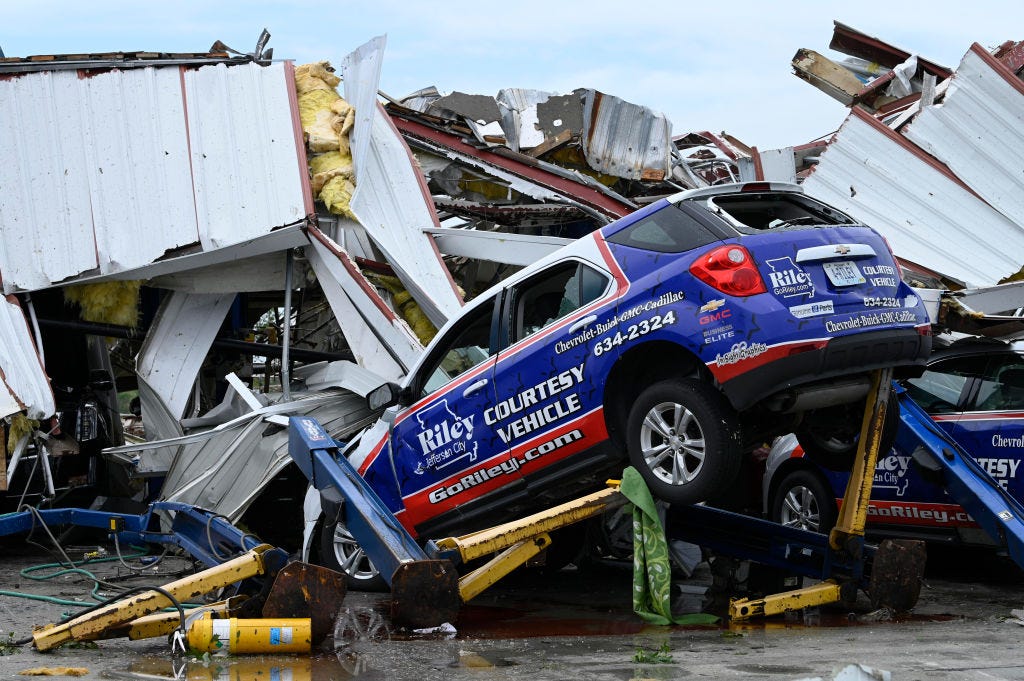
(246, 154)
(391, 198)
(978, 131)
(626, 140)
(23, 383)
(926, 214)
(102, 175)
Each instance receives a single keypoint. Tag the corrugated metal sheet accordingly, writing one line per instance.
(625, 140)
(519, 116)
(176, 345)
(23, 381)
(391, 199)
(380, 340)
(978, 131)
(98, 172)
(247, 164)
(928, 217)
(226, 471)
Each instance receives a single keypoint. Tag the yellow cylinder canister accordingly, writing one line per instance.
(237, 636)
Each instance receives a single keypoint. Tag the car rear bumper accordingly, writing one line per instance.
(846, 356)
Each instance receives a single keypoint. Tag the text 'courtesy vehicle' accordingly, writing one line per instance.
(675, 339)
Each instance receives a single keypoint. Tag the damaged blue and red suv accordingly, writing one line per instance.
(675, 339)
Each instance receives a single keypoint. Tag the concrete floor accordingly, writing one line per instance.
(578, 624)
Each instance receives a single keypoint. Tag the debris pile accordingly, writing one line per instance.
(931, 157)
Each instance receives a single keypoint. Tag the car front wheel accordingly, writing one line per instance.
(803, 500)
(684, 439)
(340, 551)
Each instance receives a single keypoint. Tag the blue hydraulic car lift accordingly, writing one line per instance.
(843, 561)
(415, 573)
(426, 588)
(991, 506)
(206, 536)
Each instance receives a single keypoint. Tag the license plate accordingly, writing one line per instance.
(843, 273)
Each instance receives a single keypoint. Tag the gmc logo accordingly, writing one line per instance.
(714, 317)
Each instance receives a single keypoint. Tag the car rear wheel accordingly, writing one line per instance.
(804, 501)
(829, 436)
(340, 551)
(684, 439)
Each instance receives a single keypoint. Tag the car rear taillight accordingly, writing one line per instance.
(730, 269)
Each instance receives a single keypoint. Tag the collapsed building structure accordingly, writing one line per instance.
(285, 238)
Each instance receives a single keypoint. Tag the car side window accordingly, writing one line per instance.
(939, 389)
(467, 344)
(559, 291)
(669, 230)
(1002, 385)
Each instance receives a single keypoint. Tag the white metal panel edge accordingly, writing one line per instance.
(927, 217)
(177, 342)
(244, 154)
(978, 131)
(138, 166)
(390, 199)
(380, 341)
(46, 230)
(23, 378)
(503, 247)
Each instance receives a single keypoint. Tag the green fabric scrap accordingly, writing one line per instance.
(652, 574)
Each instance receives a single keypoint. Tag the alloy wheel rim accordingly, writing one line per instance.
(800, 509)
(350, 556)
(672, 443)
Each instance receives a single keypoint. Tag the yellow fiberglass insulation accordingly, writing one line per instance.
(108, 302)
(337, 194)
(21, 426)
(407, 306)
(316, 76)
(326, 167)
(326, 120)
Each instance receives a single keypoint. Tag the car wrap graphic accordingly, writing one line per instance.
(902, 495)
(541, 399)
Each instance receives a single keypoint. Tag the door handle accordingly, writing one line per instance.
(586, 321)
(473, 387)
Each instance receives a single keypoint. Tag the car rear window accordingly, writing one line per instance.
(774, 211)
(669, 230)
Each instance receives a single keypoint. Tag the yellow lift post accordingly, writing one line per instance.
(848, 533)
(92, 624)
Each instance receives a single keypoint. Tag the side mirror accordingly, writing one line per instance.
(383, 396)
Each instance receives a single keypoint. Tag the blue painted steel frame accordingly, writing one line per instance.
(992, 507)
(378, 532)
(206, 536)
(798, 551)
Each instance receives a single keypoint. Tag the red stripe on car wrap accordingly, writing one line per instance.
(732, 369)
(917, 513)
(493, 473)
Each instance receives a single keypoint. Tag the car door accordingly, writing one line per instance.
(443, 451)
(943, 390)
(991, 427)
(546, 405)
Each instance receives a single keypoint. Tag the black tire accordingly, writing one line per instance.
(829, 436)
(695, 454)
(339, 551)
(803, 500)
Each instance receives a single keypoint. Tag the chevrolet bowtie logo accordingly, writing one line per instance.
(842, 250)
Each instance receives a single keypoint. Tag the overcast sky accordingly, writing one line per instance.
(718, 66)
